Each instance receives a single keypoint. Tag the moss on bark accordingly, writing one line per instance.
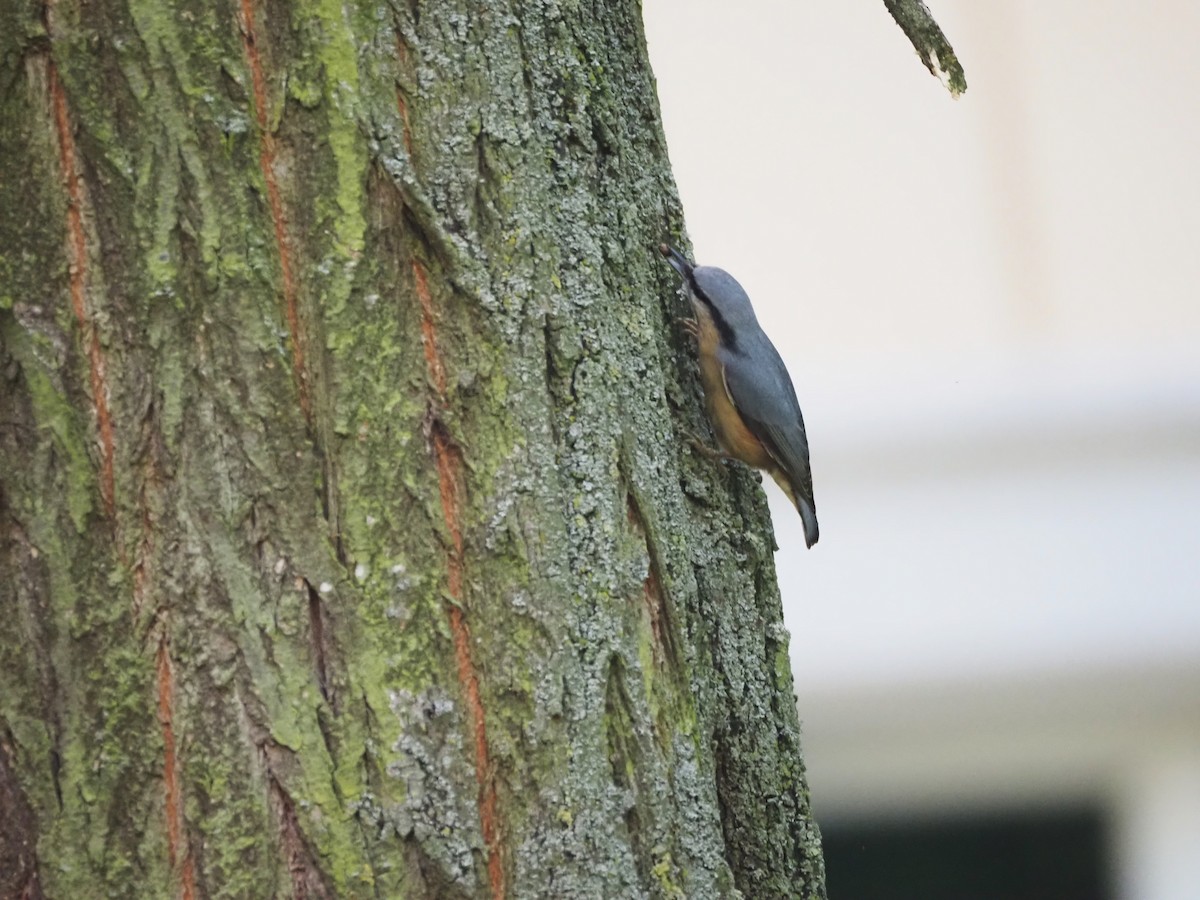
(406, 585)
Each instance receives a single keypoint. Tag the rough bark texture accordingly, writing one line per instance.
(349, 544)
(926, 36)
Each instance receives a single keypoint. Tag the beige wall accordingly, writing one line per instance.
(991, 311)
(990, 307)
(1058, 202)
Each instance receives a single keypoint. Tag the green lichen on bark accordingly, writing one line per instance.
(467, 199)
(931, 44)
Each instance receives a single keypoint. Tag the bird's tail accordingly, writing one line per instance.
(804, 506)
(808, 515)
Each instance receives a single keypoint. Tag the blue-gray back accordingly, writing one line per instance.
(763, 393)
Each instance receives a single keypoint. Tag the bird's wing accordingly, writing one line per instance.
(759, 388)
(761, 391)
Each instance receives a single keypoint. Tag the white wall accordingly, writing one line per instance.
(991, 311)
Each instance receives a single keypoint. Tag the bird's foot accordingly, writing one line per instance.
(704, 450)
(691, 326)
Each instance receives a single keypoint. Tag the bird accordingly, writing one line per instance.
(748, 393)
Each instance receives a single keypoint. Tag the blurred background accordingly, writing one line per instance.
(991, 311)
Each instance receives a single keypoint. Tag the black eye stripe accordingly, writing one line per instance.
(728, 338)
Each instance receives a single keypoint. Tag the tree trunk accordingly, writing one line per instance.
(350, 543)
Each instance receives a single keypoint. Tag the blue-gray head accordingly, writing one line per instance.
(714, 288)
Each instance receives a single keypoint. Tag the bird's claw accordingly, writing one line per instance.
(703, 449)
(691, 326)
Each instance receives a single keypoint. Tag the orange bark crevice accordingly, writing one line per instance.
(437, 372)
(178, 852)
(652, 592)
(449, 462)
(267, 157)
(657, 605)
(401, 103)
(77, 242)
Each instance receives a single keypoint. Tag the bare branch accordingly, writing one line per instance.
(916, 21)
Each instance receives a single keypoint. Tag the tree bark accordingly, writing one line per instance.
(349, 544)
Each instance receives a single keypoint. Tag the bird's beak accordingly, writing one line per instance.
(678, 261)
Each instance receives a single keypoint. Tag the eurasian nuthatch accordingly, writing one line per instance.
(747, 391)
